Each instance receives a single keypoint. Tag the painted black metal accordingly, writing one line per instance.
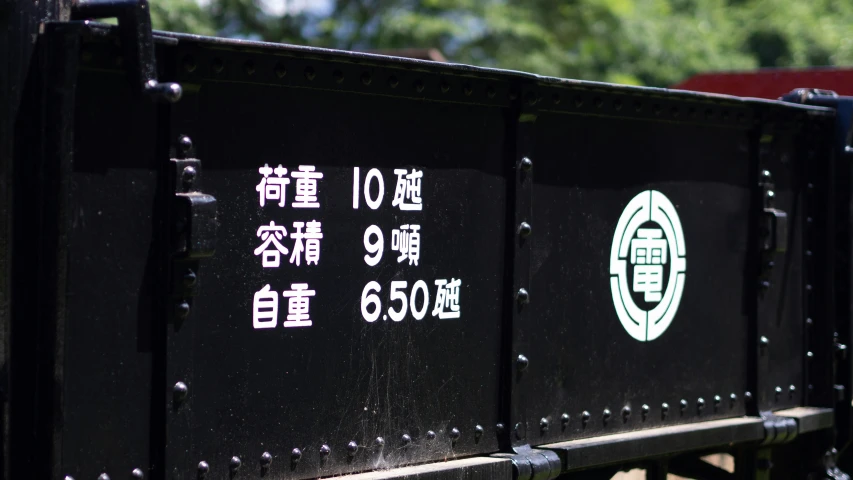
(524, 181)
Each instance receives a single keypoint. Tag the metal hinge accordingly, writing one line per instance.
(533, 464)
(137, 42)
(193, 234)
(778, 430)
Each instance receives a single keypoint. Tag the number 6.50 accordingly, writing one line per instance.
(368, 298)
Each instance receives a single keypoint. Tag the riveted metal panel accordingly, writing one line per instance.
(589, 375)
(360, 387)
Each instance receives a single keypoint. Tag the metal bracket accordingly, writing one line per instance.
(194, 232)
(532, 464)
(774, 221)
(137, 40)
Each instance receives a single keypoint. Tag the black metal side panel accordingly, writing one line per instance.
(597, 153)
(337, 383)
(113, 273)
(782, 155)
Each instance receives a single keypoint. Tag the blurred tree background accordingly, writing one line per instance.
(640, 42)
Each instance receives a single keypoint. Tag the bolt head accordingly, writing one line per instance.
(180, 390)
(137, 474)
(325, 450)
(185, 143)
(203, 467)
(182, 310)
(189, 280)
(585, 416)
(295, 455)
(500, 428)
(517, 430)
(352, 448)
(564, 418)
(700, 403)
(733, 397)
(430, 435)
(543, 424)
(522, 296)
(522, 363)
(626, 411)
(526, 164)
(266, 458)
(747, 396)
(406, 439)
(764, 341)
(103, 476)
(379, 442)
(189, 174)
(683, 404)
(235, 463)
(606, 413)
(455, 433)
(478, 430)
(778, 390)
(792, 388)
(524, 229)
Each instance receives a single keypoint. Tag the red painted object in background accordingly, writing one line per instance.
(771, 83)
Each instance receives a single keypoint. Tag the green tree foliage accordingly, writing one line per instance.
(644, 42)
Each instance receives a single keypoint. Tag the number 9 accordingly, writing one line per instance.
(375, 248)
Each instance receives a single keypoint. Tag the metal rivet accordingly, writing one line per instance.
(295, 455)
(733, 398)
(203, 468)
(393, 82)
(700, 404)
(406, 439)
(137, 474)
(626, 412)
(338, 76)
(490, 92)
(366, 78)
(543, 424)
(430, 435)
(585, 416)
(309, 73)
(280, 70)
(266, 458)
(180, 391)
(664, 409)
(190, 278)
(189, 63)
(809, 355)
(352, 448)
(683, 404)
(478, 431)
(792, 389)
(809, 322)
(467, 90)
(249, 66)
(522, 296)
(188, 175)
(747, 396)
(103, 476)
(500, 428)
(564, 419)
(185, 143)
(419, 86)
(69, 477)
(646, 411)
(524, 229)
(218, 65)
(778, 391)
(235, 463)
(764, 342)
(606, 414)
(379, 442)
(445, 87)
(526, 164)
(182, 310)
(517, 431)
(455, 433)
(522, 362)
(325, 450)
(717, 400)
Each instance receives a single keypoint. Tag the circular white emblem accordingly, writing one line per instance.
(647, 265)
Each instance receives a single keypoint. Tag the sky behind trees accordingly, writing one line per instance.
(641, 42)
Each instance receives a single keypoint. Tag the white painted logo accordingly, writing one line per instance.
(648, 239)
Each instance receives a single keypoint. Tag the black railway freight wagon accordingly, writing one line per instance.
(246, 260)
